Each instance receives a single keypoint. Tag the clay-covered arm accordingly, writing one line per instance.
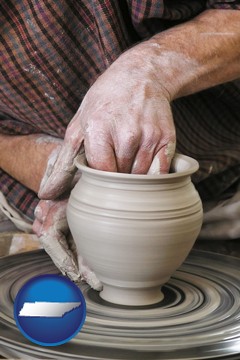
(198, 54)
(25, 157)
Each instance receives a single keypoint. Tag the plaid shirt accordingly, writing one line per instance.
(53, 51)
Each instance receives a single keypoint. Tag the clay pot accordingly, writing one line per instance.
(134, 231)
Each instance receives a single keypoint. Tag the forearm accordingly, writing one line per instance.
(211, 46)
(25, 157)
(193, 56)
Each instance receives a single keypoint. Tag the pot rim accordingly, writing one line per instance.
(191, 165)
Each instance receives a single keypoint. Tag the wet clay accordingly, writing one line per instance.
(134, 231)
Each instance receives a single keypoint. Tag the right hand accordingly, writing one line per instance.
(125, 122)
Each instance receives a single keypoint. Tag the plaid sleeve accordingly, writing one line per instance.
(18, 196)
(148, 17)
(225, 4)
(12, 126)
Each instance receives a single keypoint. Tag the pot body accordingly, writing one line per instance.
(134, 231)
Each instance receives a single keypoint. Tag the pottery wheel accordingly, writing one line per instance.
(198, 319)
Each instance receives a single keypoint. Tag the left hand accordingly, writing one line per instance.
(52, 229)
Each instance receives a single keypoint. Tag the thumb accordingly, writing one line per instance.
(60, 169)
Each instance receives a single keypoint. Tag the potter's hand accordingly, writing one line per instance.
(125, 121)
(52, 229)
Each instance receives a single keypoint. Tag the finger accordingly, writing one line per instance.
(149, 142)
(42, 209)
(162, 160)
(126, 148)
(100, 154)
(88, 275)
(112, 149)
(61, 169)
(142, 160)
(52, 229)
(37, 226)
(55, 245)
(40, 214)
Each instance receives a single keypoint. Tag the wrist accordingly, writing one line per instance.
(169, 70)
